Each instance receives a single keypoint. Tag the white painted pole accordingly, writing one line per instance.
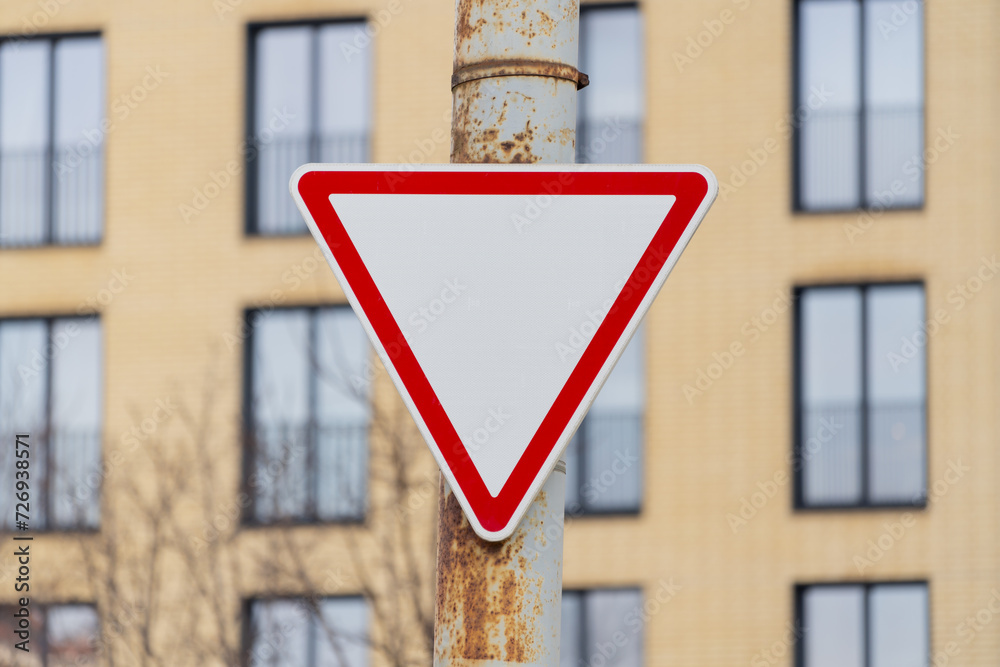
(514, 100)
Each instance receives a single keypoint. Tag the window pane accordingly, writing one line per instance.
(72, 635)
(610, 109)
(833, 626)
(75, 441)
(607, 634)
(280, 632)
(896, 390)
(829, 48)
(343, 357)
(344, 101)
(342, 633)
(281, 405)
(283, 71)
(24, 121)
(831, 395)
(612, 435)
(78, 186)
(899, 633)
(23, 389)
(571, 628)
(894, 95)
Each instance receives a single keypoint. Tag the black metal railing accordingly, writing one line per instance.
(307, 473)
(64, 481)
(274, 210)
(604, 464)
(849, 456)
(849, 159)
(52, 197)
(609, 141)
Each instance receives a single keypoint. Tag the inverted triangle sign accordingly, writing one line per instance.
(500, 297)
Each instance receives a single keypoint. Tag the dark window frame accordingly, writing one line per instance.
(867, 586)
(47, 528)
(796, 140)
(48, 240)
(864, 504)
(312, 603)
(249, 518)
(250, 165)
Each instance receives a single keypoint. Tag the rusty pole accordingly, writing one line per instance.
(514, 100)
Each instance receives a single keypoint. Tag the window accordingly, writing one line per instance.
(610, 109)
(860, 101)
(861, 396)
(52, 128)
(601, 627)
(51, 388)
(309, 415)
(863, 625)
(300, 633)
(309, 102)
(603, 460)
(61, 636)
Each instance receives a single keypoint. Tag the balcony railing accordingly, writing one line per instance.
(64, 481)
(275, 212)
(841, 170)
(51, 197)
(604, 463)
(609, 141)
(304, 473)
(851, 457)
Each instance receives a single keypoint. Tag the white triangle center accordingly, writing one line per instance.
(498, 295)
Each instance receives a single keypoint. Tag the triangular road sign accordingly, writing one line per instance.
(499, 298)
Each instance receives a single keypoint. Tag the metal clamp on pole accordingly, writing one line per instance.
(496, 68)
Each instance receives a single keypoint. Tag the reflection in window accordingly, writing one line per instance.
(309, 415)
(51, 388)
(880, 625)
(860, 92)
(310, 103)
(601, 627)
(295, 633)
(861, 396)
(610, 109)
(604, 458)
(52, 131)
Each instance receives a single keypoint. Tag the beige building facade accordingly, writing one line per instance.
(806, 451)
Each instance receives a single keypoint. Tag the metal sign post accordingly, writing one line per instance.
(514, 101)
